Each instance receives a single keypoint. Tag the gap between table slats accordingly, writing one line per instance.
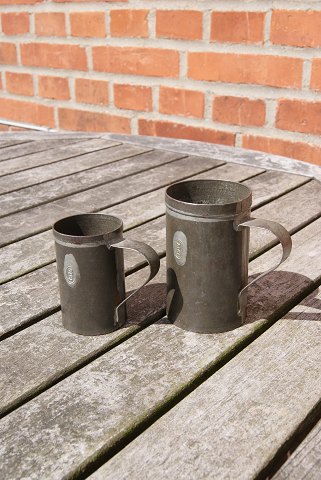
(34, 161)
(304, 462)
(125, 160)
(20, 150)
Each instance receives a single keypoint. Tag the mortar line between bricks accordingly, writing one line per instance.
(197, 46)
(224, 88)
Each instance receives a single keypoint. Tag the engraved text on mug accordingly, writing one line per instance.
(71, 270)
(180, 247)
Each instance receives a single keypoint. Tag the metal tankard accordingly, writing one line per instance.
(207, 252)
(90, 263)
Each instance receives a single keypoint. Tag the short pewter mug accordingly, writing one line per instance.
(90, 263)
(207, 252)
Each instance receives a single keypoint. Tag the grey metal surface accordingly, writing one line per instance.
(207, 253)
(90, 264)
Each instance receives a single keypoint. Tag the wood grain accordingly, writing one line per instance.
(20, 150)
(305, 461)
(64, 186)
(98, 198)
(9, 143)
(272, 185)
(224, 153)
(233, 424)
(293, 210)
(34, 160)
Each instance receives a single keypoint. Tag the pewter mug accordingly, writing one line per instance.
(90, 263)
(207, 253)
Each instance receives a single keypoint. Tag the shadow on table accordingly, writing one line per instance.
(270, 297)
(278, 292)
(146, 305)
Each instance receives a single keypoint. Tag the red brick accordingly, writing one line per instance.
(92, 122)
(256, 69)
(316, 74)
(88, 24)
(129, 23)
(19, 83)
(52, 23)
(15, 23)
(174, 101)
(177, 130)
(180, 24)
(133, 97)
(88, 1)
(298, 28)
(8, 53)
(137, 61)
(54, 56)
(30, 112)
(301, 151)
(239, 111)
(91, 91)
(299, 116)
(4, 128)
(19, 2)
(237, 27)
(56, 88)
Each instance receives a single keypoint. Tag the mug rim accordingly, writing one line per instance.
(240, 205)
(114, 232)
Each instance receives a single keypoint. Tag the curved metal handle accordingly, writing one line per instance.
(151, 257)
(282, 235)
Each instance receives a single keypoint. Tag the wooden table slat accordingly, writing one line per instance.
(95, 199)
(56, 155)
(293, 210)
(305, 461)
(22, 149)
(123, 160)
(10, 143)
(279, 182)
(235, 422)
(47, 174)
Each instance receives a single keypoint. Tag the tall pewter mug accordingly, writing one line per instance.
(90, 263)
(207, 251)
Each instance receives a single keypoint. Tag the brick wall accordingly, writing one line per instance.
(225, 71)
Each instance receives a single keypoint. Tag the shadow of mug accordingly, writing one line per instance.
(270, 298)
(276, 293)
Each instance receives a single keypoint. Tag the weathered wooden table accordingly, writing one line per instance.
(151, 400)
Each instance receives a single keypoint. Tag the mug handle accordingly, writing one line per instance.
(281, 234)
(151, 257)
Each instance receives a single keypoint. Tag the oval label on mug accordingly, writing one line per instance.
(71, 270)
(180, 247)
